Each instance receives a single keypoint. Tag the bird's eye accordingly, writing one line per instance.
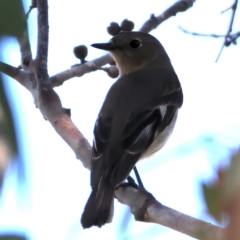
(135, 43)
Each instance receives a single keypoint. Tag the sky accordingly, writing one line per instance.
(48, 205)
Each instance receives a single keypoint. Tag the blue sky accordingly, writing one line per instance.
(49, 206)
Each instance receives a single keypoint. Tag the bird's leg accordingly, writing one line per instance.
(140, 184)
(130, 181)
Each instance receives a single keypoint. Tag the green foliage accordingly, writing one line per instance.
(12, 18)
(225, 190)
(12, 23)
(12, 237)
(213, 199)
(7, 130)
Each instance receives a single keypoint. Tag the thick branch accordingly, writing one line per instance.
(147, 209)
(51, 108)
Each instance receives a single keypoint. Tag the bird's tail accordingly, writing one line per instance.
(99, 207)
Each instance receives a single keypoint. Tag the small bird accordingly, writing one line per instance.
(136, 118)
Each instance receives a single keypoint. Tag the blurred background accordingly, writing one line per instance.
(45, 188)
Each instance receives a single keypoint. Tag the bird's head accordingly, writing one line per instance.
(135, 50)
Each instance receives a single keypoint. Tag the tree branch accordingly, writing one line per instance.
(40, 63)
(34, 5)
(9, 70)
(79, 71)
(147, 209)
(202, 34)
(149, 25)
(51, 108)
(228, 37)
(25, 48)
(226, 42)
(26, 54)
(231, 37)
(154, 22)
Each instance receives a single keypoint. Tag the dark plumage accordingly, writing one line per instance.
(135, 121)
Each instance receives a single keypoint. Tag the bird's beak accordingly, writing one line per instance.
(104, 46)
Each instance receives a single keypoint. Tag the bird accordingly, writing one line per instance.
(135, 121)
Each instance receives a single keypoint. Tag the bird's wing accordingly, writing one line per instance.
(101, 132)
(115, 154)
(138, 136)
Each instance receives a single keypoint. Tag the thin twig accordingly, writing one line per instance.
(24, 44)
(34, 5)
(232, 38)
(226, 40)
(202, 34)
(78, 71)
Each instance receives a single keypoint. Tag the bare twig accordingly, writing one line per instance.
(231, 37)
(34, 5)
(24, 42)
(80, 70)
(25, 48)
(202, 34)
(148, 26)
(9, 70)
(226, 40)
(40, 63)
(147, 209)
(154, 21)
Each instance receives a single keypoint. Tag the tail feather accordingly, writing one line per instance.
(99, 207)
